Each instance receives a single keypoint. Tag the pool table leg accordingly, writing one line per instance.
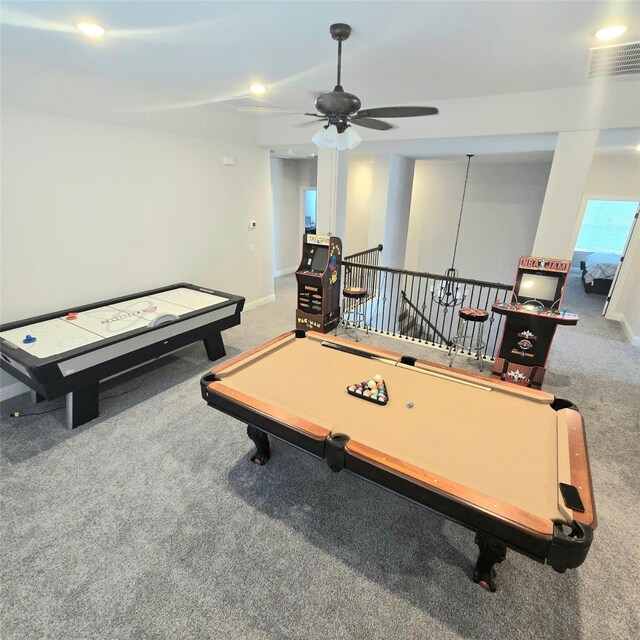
(491, 552)
(261, 440)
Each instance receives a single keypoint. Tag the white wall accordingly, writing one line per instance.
(501, 212)
(92, 211)
(629, 305)
(614, 175)
(359, 194)
(571, 162)
(287, 178)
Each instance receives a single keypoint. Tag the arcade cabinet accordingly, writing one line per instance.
(318, 277)
(532, 315)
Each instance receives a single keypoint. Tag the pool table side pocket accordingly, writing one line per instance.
(529, 523)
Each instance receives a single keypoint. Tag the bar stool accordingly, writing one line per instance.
(353, 309)
(466, 315)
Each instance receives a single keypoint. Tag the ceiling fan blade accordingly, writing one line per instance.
(315, 115)
(370, 123)
(306, 124)
(397, 112)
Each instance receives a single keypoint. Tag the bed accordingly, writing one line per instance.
(598, 270)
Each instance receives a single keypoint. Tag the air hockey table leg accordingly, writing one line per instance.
(82, 406)
(36, 397)
(214, 346)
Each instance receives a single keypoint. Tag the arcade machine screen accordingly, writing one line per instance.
(319, 261)
(535, 289)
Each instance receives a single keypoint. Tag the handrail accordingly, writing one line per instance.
(433, 276)
(423, 317)
(411, 304)
(363, 253)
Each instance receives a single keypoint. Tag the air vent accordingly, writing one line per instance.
(253, 105)
(614, 61)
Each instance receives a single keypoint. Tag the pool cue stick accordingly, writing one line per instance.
(358, 352)
(444, 376)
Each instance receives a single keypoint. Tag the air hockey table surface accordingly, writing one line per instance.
(70, 351)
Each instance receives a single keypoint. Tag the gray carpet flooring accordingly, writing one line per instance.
(150, 522)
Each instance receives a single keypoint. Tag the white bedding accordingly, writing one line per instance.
(600, 265)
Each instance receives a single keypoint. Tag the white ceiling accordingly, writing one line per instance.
(399, 53)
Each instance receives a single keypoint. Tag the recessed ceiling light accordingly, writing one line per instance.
(91, 29)
(257, 89)
(609, 33)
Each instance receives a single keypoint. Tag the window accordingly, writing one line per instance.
(606, 225)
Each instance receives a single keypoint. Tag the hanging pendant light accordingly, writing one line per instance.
(450, 293)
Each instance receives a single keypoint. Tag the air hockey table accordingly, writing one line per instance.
(68, 353)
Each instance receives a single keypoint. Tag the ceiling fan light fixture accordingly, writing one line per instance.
(319, 137)
(349, 139)
(329, 138)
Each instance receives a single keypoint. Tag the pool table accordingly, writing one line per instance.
(508, 462)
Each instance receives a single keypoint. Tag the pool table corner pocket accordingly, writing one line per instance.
(569, 545)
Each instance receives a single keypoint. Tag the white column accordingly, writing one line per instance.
(390, 206)
(559, 225)
(396, 225)
(332, 192)
(379, 191)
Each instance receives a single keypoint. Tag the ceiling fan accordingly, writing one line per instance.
(342, 109)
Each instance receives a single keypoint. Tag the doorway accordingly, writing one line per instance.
(309, 208)
(602, 243)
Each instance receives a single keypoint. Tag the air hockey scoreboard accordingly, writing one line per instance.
(68, 352)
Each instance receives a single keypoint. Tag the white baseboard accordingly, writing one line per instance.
(259, 303)
(628, 332)
(284, 272)
(631, 337)
(13, 390)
